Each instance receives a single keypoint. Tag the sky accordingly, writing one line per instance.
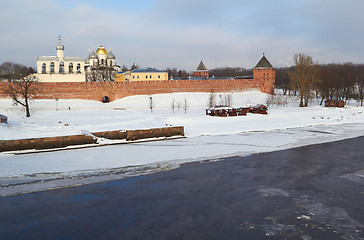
(179, 34)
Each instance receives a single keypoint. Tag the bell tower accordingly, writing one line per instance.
(60, 49)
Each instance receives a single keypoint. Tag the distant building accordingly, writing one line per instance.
(201, 71)
(265, 74)
(60, 68)
(100, 65)
(149, 74)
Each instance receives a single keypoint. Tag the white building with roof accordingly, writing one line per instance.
(60, 68)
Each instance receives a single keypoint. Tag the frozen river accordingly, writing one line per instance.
(311, 192)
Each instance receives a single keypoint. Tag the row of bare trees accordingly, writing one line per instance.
(308, 79)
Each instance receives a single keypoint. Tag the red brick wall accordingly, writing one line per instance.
(117, 90)
(201, 74)
(64, 141)
(266, 78)
(45, 143)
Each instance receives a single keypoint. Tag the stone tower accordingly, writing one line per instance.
(201, 71)
(265, 74)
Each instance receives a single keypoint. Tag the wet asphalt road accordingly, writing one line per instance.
(314, 192)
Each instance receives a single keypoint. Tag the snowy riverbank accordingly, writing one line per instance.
(207, 137)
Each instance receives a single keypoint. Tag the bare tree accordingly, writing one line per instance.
(151, 104)
(22, 91)
(173, 104)
(360, 82)
(211, 103)
(185, 105)
(303, 75)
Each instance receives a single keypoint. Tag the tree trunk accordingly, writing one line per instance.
(27, 108)
(322, 99)
(301, 100)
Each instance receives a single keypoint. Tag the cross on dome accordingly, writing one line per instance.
(59, 38)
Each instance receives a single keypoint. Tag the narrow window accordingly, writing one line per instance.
(150, 76)
(61, 67)
(78, 68)
(43, 68)
(52, 67)
(159, 76)
(146, 76)
(137, 76)
(70, 68)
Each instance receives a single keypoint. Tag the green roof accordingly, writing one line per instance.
(264, 63)
(201, 67)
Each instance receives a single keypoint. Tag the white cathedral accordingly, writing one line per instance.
(99, 66)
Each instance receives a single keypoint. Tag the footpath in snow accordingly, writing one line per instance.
(208, 138)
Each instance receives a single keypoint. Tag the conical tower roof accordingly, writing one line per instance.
(264, 63)
(201, 67)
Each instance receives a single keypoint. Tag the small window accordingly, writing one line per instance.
(267, 74)
(159, 76)
(137, 76)
(61, 67)
(146, 76)
(52, 67)
(133, 76)
(150, 76)
(78, 68)
(43, 68)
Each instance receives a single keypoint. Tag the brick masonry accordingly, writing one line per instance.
(45, 143)
(263, 80)
(64, 141)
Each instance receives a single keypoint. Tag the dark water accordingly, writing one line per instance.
(313, 192)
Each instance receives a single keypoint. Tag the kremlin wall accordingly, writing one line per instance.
(117, 90)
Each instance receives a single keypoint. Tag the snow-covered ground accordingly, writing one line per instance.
(207, 137)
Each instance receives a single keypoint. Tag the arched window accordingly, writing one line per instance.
(44, 68)
(102, 61)
(61, 67)
(70, 68)
(52, 67)
(78, 68)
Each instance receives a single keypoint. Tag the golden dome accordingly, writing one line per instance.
(101, 50)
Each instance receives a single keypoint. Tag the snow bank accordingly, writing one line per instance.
(208, 137)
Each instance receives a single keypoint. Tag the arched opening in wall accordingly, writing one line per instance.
(44, 68)
(78, 68)
(52, 67)
(105, 99)
(102, 61)
(61, 67)
(70, 68)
